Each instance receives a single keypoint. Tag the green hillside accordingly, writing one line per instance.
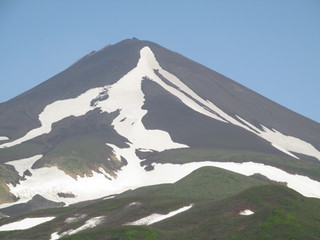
(279, 212)
(203, 183)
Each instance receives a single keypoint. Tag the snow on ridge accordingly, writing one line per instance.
(153, 218)
(182, 91)
(22, 165)
(25, 223)
(151, 63)
(127, 96)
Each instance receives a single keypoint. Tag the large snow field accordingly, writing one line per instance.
(133, 176)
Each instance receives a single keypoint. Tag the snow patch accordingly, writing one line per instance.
(181, 91)
(91, 223)
(144, 150)
(246, 212)
(22, 165)
(134, 204)
(76, 218)
(54, 236)
(153, 218)
(25, 223)
(283, 150)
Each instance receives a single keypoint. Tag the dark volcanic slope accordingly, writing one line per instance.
(236, 99)
(168, 113)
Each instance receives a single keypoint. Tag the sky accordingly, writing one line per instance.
(269, 46)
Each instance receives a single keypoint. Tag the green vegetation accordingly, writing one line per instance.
(203, 183)
(280, 213)
(285, 215)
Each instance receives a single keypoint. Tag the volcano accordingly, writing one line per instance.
(136, 114)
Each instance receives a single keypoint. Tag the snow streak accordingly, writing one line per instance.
(91, 223)
(25, 223)
(153, 218)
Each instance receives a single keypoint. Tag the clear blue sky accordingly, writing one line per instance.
(270, 46)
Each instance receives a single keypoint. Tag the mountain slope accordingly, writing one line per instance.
(103, 125)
